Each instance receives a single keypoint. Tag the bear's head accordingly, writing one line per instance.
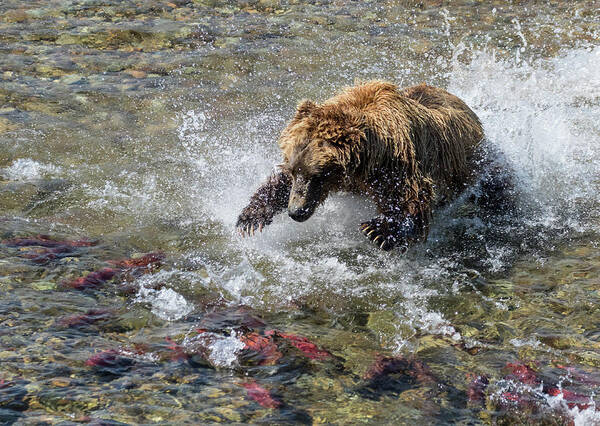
(318, 146)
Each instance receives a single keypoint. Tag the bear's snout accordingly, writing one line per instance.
(303, 198)
(299, 214)
(298, 208)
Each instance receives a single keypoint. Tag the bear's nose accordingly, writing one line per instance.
(299, 214)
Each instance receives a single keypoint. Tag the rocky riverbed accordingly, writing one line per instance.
(133, 132)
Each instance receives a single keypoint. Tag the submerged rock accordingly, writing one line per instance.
(386, 365)
(394, 374)
(13, 395)
(477, 387)
(238, 318)
(6, 125)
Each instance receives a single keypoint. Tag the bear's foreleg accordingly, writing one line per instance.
(269, 199)
(401, 223)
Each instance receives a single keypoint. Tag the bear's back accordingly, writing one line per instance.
(424, 127)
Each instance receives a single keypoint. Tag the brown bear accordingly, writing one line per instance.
(407, 149)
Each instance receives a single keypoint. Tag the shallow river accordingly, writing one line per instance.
(131, 135)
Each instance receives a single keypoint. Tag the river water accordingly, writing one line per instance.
(131, 135)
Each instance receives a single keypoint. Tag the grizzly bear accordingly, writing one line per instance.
(406, 149)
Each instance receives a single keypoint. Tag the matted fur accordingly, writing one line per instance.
(423, 131)
(401, 147)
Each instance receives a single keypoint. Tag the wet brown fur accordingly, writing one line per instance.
(404, 148)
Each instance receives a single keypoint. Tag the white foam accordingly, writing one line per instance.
(26, 169)
(238, 279)
(533, 342)
(223, 352)
(166, 303)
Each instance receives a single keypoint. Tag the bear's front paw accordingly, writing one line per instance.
(385, 232)
(251, 221)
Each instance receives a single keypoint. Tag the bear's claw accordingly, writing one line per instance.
(248, 230)
(386, 233)
(249, 227)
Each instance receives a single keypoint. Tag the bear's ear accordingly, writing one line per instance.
(304, 109)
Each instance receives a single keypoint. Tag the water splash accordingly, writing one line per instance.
(542, 114)
(165, 302)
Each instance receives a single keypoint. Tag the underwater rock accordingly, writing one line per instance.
(72, 79)
(384, 366)
(43, 285)
(477, 386)
(15, 195)
(12, 395)
(394, 375)
(240, 317)
(135, 73)
(47, 188)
